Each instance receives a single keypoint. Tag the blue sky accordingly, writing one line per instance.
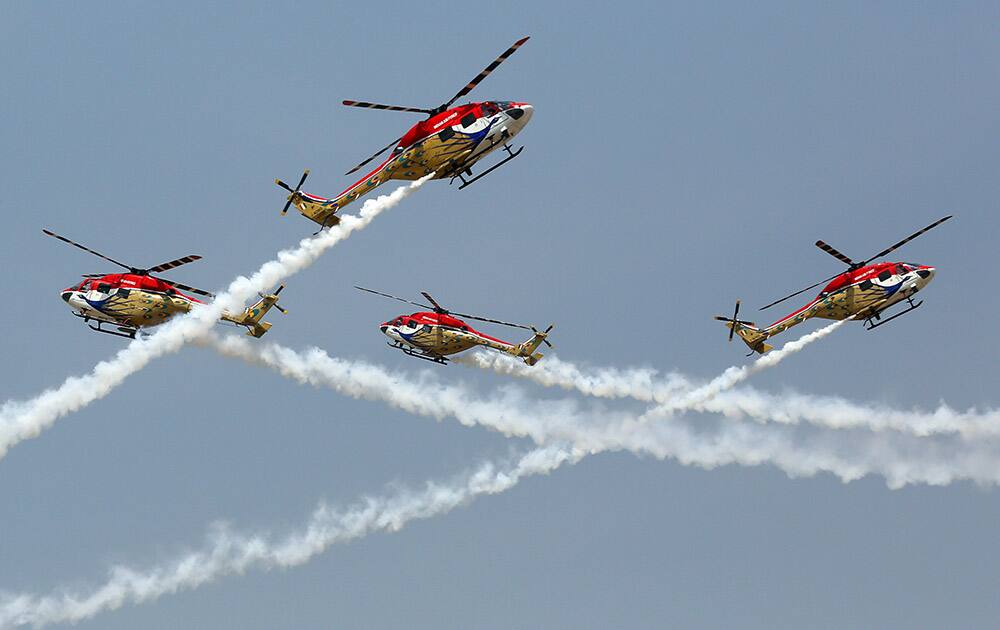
(680, 157)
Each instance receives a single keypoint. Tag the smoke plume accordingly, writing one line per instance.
(21, 420)
(227, 552)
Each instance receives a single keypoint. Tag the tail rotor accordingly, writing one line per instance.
(545, 332)
(275, 296)
(734, 320)
(294, 192)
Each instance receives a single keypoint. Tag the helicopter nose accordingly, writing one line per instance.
(926, 274)
(521, 113)
(66, 295)
(383, 328)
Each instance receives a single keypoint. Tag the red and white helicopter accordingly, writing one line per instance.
(136, 300)
(438, 333)
(862, 292)
(447, 143)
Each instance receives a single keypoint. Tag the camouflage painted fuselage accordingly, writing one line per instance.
(859, 294)
(127, 300)
(133, 302)
(445, 144)
(436, 336)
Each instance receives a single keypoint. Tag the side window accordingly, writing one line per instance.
(468, 120)
(103, 287)
(885, 275)
(867, 284)
(446, 134)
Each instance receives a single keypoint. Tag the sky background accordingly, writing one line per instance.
(680, 156)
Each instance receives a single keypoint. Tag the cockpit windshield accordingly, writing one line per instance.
(489, 109)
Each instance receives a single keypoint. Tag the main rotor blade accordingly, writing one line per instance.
(388, 108)
(829, 249)
(485, 73)
(175, 263)
(437, 306)
(907, 239)
(812, 286)
(492, 321)
(87, 249)
(380, 152)
(184, 287)
(394, 297)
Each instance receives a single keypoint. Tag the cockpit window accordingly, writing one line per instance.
(489, 109)
(885, 275)
(104, 287)
(468, 120)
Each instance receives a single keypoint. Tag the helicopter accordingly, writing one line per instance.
(133, 301)
(448, 143)
(863, 292)
(438, 333)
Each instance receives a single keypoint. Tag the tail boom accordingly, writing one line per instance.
(324, 211)
(251, 316)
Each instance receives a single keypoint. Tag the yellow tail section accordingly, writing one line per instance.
(752, 336)
(251, 317)
(322, 212)
(526, 350)
(319, 209)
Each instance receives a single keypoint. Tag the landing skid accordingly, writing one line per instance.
(123, 331)
(511, 154)
(433, 358)
(870, 322)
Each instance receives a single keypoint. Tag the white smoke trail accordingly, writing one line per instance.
(21, 420)
(902, 461)
(737, 374)
(642, 384)
(849, 455)
(638, 383)
(647, 385)
(227, 552)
